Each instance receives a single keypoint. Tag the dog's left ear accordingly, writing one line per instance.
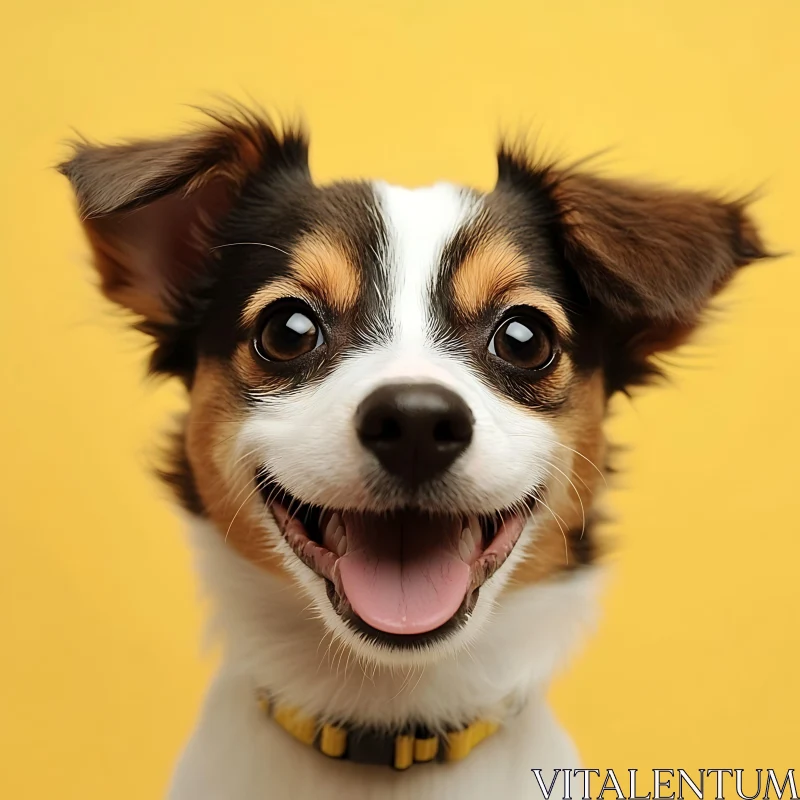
(649, 258)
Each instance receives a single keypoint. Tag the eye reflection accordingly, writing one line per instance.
(289, 329)
(524, 340)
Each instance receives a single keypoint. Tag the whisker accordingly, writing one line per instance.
(421, 673)
(566, 447)
(244, 502)
(585, 458)
(227, 497)
(253, 244)
(558, 520)
(577, 494)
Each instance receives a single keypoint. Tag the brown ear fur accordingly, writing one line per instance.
(149, 209)
(650, 251)
(648, 257)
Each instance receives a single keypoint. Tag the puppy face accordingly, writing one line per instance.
(396, 395)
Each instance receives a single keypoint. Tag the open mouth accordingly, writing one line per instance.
(406, 576)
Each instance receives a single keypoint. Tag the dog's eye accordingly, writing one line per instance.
(525, 341)
(287, 331)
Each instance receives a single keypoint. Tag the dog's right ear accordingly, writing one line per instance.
(150, 208)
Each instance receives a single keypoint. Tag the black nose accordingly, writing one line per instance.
(416, 430)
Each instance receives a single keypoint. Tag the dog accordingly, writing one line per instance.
(393, 452)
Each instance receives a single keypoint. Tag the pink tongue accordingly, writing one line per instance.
(403, 574)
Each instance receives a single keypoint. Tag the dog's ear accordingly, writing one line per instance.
(649, 258)
(150, 208)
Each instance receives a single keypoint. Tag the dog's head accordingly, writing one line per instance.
(396, 395)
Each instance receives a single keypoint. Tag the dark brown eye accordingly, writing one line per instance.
(525, 341)
(288, 331)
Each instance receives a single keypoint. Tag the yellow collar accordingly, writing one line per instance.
(364, 745)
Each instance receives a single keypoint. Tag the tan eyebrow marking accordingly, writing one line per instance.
(269, 294)
(320, 263)
(497, 271)
(319, 266)
(495, 266)
(525, 296)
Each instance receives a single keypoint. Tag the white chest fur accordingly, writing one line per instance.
(272, 640)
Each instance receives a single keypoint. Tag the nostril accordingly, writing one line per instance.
(446, 431)
(380, 428)
(390, 430)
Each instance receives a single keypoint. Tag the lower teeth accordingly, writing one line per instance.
(465, 545)
(340, 540)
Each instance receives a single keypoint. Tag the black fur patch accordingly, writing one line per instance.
(277, 214)
(583, 545)
(176, 473)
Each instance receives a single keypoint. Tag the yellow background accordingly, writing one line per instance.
(695, 661)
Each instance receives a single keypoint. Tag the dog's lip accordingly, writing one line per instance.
(325, 562)
(313, 555)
